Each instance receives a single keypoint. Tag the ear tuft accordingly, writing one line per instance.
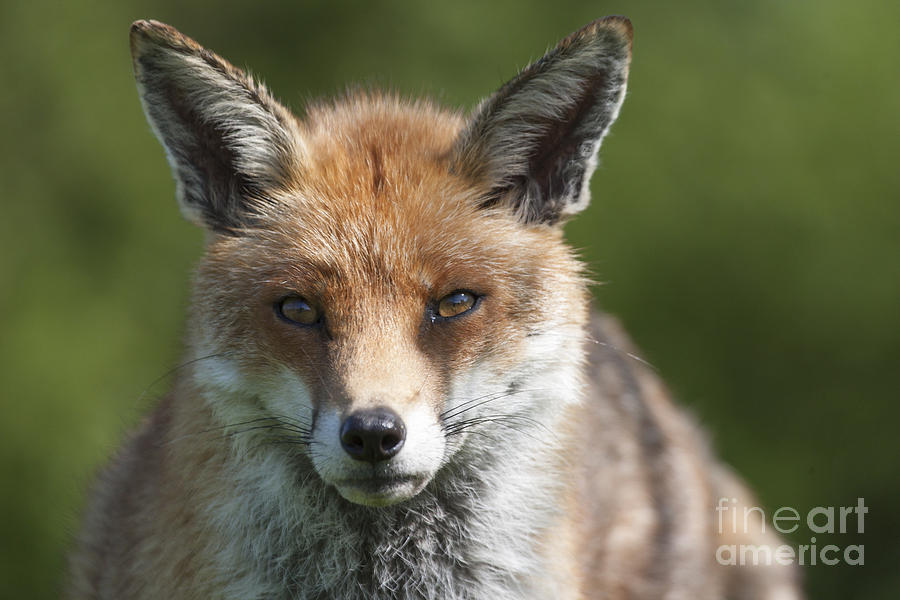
(227, 140)
(534, 142)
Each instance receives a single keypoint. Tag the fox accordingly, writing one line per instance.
(395, 385)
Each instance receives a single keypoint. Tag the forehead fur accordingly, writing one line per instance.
(361, 143)
(374, 192)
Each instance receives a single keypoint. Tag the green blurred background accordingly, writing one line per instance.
(745, 223)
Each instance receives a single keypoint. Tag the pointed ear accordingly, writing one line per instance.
(227, 140)
(534, 142)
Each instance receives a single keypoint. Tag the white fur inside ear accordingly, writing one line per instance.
(216, 125)
(582, 199)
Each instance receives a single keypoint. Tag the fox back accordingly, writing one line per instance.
(394, 385)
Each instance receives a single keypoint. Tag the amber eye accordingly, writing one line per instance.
(297, 310)
(456, 304)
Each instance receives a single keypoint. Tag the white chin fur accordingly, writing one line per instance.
(371, 493)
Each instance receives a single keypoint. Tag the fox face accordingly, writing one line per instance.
(386, 292)
(375, 333)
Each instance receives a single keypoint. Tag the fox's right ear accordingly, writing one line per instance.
(227, 140)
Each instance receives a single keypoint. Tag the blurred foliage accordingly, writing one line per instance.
(745, 223)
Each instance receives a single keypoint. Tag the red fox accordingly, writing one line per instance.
(395, 386)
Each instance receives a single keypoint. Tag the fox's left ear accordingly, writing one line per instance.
(534, 142)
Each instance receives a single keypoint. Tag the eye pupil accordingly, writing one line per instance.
(455, 304)
(298, 310)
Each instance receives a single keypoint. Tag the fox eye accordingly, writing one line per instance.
(456, 303)
(297, 310)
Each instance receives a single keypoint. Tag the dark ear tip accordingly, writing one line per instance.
(149, 29)
(142, 25)
(620, 24)
(617, 25)
(614, 33)
(147, 33)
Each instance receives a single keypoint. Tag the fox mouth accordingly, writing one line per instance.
(380, 489)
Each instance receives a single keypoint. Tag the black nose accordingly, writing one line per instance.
(373, 435)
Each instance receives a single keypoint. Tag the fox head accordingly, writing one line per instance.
(386, 286)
